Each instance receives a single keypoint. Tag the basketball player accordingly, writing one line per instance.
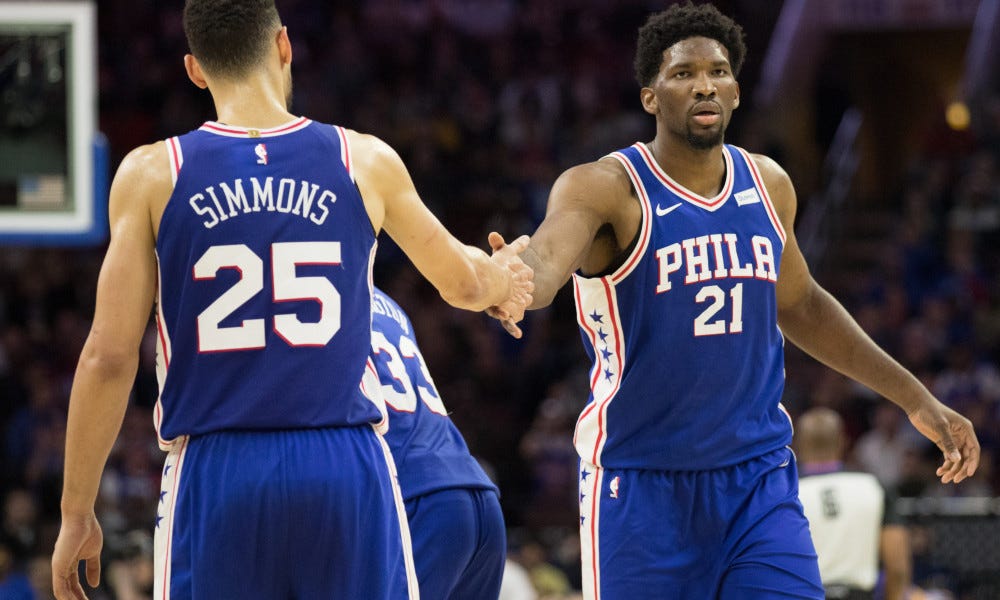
(255, 236)
(684, 266)
(851, 518)
(456, 525)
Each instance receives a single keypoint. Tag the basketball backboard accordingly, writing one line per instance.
(53, 162)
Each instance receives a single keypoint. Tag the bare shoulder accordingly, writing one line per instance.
(778, 183)
(368, 150)
(146, 167)
(600, 184)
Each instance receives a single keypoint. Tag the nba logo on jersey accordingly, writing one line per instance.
(261, 151)
(614, 486)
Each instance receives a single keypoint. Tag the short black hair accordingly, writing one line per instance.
(230, 37)
(679, 22)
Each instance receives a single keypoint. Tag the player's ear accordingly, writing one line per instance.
(649, 102)
(194, 71)
(736, 102)
(284, 46)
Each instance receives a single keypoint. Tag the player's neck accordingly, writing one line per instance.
(257, 101)
(701, 171)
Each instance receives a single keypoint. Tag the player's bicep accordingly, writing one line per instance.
(794, 281)
(574, 215)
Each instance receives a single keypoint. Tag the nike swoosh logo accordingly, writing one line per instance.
(660, 211)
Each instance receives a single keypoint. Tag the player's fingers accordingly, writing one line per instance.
(952, 464)
(512, 328)
(520, 243)
(496, 241)
(972, 460)
(94, 571)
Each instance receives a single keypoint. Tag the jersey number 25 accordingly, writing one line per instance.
(285, 257)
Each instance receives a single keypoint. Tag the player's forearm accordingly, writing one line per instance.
(821, 327)
(477, 284)
(96, 409)
(548, 281)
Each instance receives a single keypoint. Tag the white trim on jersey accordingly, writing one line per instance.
(250, 132)
(645, 228)
(371, 387)
(709, 204)
(590, 539)
(412, 585)
(164, 354)
(176, 157)
(164, 533)
(772, 214)
(597, 297)
(345, 150)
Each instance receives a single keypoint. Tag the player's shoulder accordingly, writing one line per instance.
(147, 166)
(604, 178)
(371, 153)
(770, 170)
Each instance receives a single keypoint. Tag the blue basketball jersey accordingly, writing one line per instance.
(688, 365)
(429, 451)
(264, 304)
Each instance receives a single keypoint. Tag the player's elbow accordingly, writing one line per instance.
(107, 360)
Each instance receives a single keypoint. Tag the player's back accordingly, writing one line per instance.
(429, 451)
(263, 310)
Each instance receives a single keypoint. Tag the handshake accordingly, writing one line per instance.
(508, 256)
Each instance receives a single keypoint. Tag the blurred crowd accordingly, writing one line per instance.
(487, 101)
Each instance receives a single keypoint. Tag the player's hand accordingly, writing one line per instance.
(953, 434)
(80, 538)
(511, 311)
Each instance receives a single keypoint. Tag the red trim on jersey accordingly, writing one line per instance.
(685, 193)
(176, 158)
(345, 151)
(647, 225)
(216, 128)
(593, 342)
(163, 341)
(245, 131)
(759, 183)
(601, 413)
(595, 499)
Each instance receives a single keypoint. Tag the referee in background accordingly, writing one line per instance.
(851, 517)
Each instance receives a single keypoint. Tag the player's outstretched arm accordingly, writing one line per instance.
(106, 370)
(818, 324)
(465, 276)
(582, 200)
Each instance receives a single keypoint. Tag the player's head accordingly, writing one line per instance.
(685, 55)
(232, 39)
(680, 22)
(819, 436)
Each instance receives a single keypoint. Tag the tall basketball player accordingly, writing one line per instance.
(255, 236)
(453, 509)
(687, 280)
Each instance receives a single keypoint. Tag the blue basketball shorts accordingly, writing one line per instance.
(737, 532)
(305, 514)
(459, 543)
